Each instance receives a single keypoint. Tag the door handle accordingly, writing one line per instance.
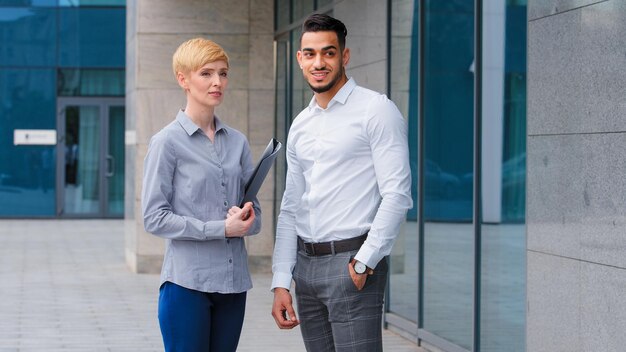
(110, 166)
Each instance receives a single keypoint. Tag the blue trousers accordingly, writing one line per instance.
(191, 320)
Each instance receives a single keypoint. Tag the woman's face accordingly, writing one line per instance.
(206, 86)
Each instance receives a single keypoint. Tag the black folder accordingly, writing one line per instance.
(260, 171)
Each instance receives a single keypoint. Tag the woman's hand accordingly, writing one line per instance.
(239, 220)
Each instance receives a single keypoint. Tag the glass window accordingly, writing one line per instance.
(28, 2)
(27, 176)
(448, 171)
(503, 271)
(283, 8)
(28, 36)
(282, 111)
(115, 161)
(301, 94)
(403, 91)
(92, 37)
(91, 82)
(76, 3)
(302, 8)
(321, 3)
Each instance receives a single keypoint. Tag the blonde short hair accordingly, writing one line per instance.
(195, 53)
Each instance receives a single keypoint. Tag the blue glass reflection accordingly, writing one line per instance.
(27, 176)
(28, 37)
(449, 102)
(76, 3)
(28, 2)
(92, 37)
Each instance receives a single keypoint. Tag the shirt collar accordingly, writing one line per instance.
(341, 96)
(190, 127)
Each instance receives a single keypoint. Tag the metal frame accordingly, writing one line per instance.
(477, 203)
(104, 104)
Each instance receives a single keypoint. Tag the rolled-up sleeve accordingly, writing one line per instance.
(156, 198)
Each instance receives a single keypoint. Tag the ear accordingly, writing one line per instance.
(346, 56)
(182, 80)
(299, 58)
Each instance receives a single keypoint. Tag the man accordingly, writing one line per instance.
(347, 192)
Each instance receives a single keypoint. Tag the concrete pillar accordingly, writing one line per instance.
(576, 198)
(155, 28)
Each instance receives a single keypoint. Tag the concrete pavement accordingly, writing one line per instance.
(65, 287)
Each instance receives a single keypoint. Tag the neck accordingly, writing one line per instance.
(324, 98)
(204, 117)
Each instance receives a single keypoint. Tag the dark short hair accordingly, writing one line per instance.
(320, 22)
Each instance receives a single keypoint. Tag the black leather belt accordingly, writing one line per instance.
(324, 248)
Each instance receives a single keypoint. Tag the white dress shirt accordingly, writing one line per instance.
(348, 173)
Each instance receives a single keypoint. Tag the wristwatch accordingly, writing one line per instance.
(359, 267)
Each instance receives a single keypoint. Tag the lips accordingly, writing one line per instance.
(215, 94)
(319, 75)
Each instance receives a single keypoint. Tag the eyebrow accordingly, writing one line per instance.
(323, 49)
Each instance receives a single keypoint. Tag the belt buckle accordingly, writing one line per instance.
(311, 248)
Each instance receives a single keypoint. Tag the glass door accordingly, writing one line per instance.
(90, 158)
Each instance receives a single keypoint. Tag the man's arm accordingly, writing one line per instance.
(387, 132)
(285, 249)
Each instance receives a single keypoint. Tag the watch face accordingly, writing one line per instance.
(359, 267)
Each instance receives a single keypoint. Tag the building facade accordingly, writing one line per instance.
(62, 76)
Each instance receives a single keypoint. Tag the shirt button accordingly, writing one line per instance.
(225, 203)
(223, 184)
(219, 165)
(230, 260)
(227, 241)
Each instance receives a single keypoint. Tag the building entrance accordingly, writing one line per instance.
(90, 157)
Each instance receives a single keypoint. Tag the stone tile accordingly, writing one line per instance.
(129, 181)
(553, 294)
(261, 72)
(538, 9)
(262, 17)
(586, 173)
(365, 50)
(261, 103)
(372, 76)
(575, 71)
(234, 110)
(262, 244)
(156, 108)
(401, 63)
(131, 64)
(402, 12)
(603, 309)
(369, 20)
(367, 30)
(217, 16)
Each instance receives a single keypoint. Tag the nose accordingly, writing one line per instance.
(217, 80)
(319, 62)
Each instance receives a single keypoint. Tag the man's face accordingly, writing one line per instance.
(322, 61)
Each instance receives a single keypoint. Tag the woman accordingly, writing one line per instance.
(194, 176)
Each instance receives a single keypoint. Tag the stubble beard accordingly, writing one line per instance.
(330, 84)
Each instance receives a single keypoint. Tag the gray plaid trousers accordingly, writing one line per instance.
(334, 316)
